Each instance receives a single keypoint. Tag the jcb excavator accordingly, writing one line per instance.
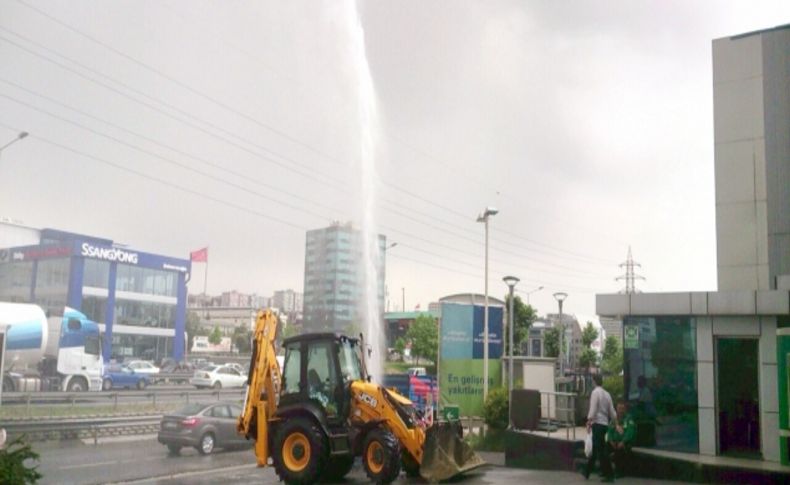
(322, 411)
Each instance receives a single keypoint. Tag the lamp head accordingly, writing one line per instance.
(489, 211)
(560, 296)
(22, 134)
(511, 281)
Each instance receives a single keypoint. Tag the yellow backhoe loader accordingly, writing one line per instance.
(321, 412)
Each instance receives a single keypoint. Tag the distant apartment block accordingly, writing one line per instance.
(288, 301)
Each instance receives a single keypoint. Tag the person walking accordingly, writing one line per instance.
(598, 419)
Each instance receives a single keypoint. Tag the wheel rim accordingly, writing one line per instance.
(208, 443)
(76, 386)
(375, 457)
(296, 452)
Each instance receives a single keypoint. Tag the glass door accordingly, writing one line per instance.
(738, 402)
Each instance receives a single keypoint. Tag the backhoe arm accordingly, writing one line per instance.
(263, 386)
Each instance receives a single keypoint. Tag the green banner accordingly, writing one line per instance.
(461, 383)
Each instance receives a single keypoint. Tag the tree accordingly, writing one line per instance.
(215, 337)
(290, 331)
(612, 356)
(241, 339)
(551, 342)
(424, 337)
(589, 357)
(400, 346)
(18, 462)
(589, 334)
(523, 316)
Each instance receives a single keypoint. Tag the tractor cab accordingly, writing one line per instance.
(319, 369)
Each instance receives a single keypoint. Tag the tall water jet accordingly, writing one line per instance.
(369, 142)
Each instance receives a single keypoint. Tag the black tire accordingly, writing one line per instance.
(410, 465)
(77, 384)
(381, 456)
(106, 384)
(337, 468)
(294, 439)
(141, 384)
(174, 449)
(206, 444)
(217, 385)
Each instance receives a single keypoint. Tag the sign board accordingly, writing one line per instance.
(460, 370)
(631, 337)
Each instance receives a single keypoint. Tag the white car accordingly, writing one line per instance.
(143, 367)
(218, 376)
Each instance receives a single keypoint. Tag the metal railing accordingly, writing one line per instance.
(562, 412)
(74, 427)
(114, 398)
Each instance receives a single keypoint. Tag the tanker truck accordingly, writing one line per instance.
(49, 353)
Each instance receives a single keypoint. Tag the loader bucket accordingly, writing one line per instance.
(446, 454)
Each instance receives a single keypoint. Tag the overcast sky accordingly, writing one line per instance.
(174, 125)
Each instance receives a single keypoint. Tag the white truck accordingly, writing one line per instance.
(49, 354)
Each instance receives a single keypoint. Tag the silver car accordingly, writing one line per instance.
(203, 427)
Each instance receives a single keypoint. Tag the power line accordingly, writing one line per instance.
(249, 118)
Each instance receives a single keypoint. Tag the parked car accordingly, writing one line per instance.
(202, 426)
(117, 375)
(143, 367)
(417, 371)
(171, 366)
(218, 376)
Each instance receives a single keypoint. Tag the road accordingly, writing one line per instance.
(145, 461)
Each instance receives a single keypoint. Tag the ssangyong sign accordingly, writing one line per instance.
(109, 254)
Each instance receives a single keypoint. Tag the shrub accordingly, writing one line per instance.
(615, 386)
(495, 408)
(12, 463)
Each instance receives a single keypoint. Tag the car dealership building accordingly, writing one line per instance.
(138, 298)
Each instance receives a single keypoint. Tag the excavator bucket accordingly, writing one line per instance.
(446, 454)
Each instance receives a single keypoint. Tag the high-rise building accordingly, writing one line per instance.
(334, 279)
(752, 151)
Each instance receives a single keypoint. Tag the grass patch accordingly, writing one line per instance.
(493, 440)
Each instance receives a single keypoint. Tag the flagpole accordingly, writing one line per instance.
(205, 282)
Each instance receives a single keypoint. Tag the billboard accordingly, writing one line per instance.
(461, 353)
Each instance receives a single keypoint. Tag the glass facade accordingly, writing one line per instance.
(145, 314)
(96, 273)
(147, 281)
(95, 308)
(660, 374)
(52, 284)
(15, 281)
(148, 347)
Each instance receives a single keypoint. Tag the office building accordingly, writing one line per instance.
(138, 299)
(710, 369)
(334, 280)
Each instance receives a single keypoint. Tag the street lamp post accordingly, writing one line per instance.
(488, 212)
(21, 135)
(527, 293)
(511, 282)
(560, 297)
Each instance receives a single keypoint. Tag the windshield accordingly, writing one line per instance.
(350, 366)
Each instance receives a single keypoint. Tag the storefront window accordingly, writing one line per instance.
(661, 381)
(145, 314)
(96, 273)
(15, 281)
(52, 284)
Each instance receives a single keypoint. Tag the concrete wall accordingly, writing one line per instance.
(752, 159)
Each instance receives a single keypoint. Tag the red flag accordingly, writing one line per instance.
(199, 256)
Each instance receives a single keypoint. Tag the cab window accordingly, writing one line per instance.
(291, 369)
